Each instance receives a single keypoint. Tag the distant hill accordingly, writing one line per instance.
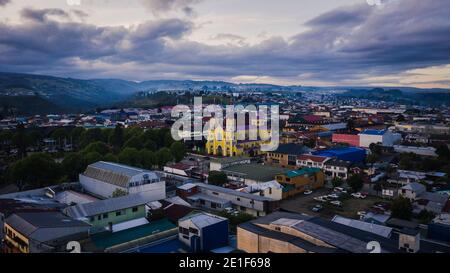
(433, 97)
(76, 95)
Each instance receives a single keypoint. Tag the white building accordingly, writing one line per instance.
(424, 151)
(312, 161)
(383, 137)
(271, 189)
(104, 178)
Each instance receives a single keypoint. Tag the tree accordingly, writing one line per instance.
(425, 217)
(372, 158)
(178, 151)
(401, 208)
(73, 165)
(130, 156)
(217, 178)
(148, 159)
(134, 142)
(355, 182)
(60, 135)
(76, 134)
(110, 158)
(91, 157)
(91, 135)
(443, 152)
(400, 118)
(119, 192)
(117, 138)
(163, 156)
(37, 170)
(98, 147)
(351, 124)
(337, 182)
(20, 140)
(378, 187)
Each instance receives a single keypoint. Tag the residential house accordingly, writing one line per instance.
(203, 232)
(299, 181)
(218, 198)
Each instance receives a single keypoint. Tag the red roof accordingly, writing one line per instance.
(314, 158)
(312, 118)
(180, 166)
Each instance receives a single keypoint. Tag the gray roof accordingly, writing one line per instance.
(234, 192)
(45, 226)
(201, 220)
(113, 173)
(416, 187)
(109, 205)
(373, 228)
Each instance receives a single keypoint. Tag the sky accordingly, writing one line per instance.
(287, 42)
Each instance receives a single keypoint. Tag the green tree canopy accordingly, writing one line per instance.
(401, 208)
(217, 178)
(73, 164)
(355, 182)
(163, 156)
(37, 170)
(178, 151)
(130, 156)
(98, 147)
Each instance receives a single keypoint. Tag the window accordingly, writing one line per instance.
(202, 202)
(99, 217)
(118, 213)
(239, 199)
(277, 228)
(135, 209)
(243, 208)
(193, 231)
(215, 193)
(105, 216)
(92, 219)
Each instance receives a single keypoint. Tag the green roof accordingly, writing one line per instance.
(304, 171)
(117, 238)
(257, 172)
(226, 160)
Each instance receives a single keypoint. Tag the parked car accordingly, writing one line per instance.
(333, 196)
(336, 203)
(320, 199)
(359, 195)
(317, 208)
(307, 192)
(361, 213)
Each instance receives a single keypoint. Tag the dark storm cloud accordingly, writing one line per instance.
(347, 43)
(161, 6)
(4, 2)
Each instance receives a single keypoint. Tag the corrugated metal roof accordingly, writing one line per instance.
(369, 227)
(109, 205)
(234, 192)
(201, 220)
(114, 173)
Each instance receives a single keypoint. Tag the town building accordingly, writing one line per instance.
(271, 189)
(286, 155)
(203, 232)
(283, 232)
(253, 173)
(299, 181)
(312, 161)
(218, 198)
(103, 179)
(382, 137)
(42, 232)
(352, 154)
(105, 214)
(336, 168)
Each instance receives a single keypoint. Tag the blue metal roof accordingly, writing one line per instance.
(373, 132)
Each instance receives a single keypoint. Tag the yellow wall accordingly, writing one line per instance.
(301, 183)
(11, 234)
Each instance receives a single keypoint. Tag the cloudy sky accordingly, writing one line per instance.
(307, 42)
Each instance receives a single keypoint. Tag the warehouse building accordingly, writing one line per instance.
(218, 198)
(203, 232)
(103, 179)
(42, 232)
(383, 137)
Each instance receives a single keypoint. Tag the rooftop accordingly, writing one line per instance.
(257, 172)
(202, 219)
(291, 149)
(301, 172)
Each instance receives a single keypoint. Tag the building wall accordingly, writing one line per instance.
(352, 140)
(247, 241)
(281, 160)
(11, 236)
(100, 221)
(301, 183)
(155, 191)
(366, 140)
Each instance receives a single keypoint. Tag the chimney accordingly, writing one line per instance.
(409, 240)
